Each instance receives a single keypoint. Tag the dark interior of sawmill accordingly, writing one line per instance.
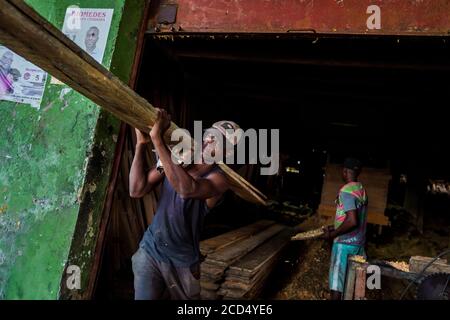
(383, 100)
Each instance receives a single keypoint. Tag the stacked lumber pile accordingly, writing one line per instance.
(246, 277)
(238, 262)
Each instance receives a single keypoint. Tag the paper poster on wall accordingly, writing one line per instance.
(89, 29)
(20, 80)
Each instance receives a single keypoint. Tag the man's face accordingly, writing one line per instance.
(6, 60)
(91, 38)
(212, 144)
(344, 174)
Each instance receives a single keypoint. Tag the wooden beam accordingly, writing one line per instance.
(349, 289)
(360, 283)
(417, 263)
(28, 34)
(228, 255)
(211, 245)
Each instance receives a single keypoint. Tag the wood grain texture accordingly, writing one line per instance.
(254, 261)
(226, 239)
(360, 283)
(417, 263)
(230, 254)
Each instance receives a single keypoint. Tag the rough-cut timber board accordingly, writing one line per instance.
(417, 263)
(207, 278)
(233, 281)
(254, 261)
(28, 34)
(215, 263)
(213, 244)
(228, 255)
(212, 271)
(244, 294)
(209, 285)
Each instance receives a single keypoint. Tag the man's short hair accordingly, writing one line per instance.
(353, 164)
(15, 74)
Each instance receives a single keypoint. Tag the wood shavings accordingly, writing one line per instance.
(399, 265)
(359, 259)
(312, 234)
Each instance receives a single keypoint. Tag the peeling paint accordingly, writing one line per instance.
(349, 16)
(63, 93)
(43, 162)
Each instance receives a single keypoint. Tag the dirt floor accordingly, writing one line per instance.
(303, 273)
(310, 279)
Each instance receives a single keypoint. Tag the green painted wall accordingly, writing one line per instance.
(55, 164)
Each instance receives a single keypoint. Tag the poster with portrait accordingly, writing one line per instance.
(20, 80)
(89, 29)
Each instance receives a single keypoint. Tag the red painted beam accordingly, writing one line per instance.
(423, 17)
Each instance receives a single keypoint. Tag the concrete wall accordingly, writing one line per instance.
(45, 159)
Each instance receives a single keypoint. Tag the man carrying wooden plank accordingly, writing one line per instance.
(167, 263)
(349, 231)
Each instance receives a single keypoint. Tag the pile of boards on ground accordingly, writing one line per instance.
(238, 262)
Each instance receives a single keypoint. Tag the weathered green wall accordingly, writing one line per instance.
(45, 159)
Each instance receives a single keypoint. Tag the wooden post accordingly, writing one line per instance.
(350, 278)
(28, 34)
(360, 283)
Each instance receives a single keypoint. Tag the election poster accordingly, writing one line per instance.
(89, 29)
(20, 80)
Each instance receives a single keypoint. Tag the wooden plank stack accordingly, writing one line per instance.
(238, 262)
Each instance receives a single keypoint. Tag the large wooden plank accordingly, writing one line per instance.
(233, 281)
(206, 285)
(228, 255)
(418, 263)
(255, 260)
(28, 34)
(247, 293)
(212, 271)
(213, 244)
(360, 283)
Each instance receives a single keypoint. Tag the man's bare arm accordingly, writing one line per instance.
(349, 224)
(183, 183)
(142, 182)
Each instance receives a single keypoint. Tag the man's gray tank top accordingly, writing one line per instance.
(174, 234)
